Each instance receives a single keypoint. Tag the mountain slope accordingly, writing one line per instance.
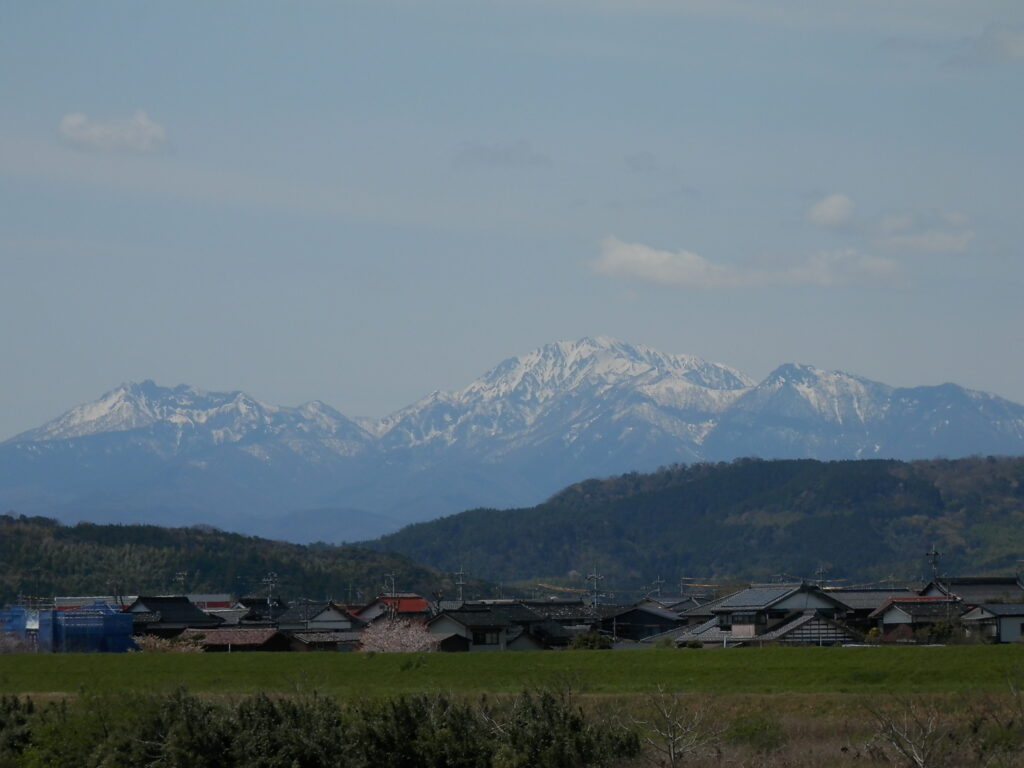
(41, 557)
(749, 519)
(533, 424)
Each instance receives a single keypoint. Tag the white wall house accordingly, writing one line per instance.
(996, 622)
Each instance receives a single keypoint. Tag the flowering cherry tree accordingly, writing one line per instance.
(398, 636)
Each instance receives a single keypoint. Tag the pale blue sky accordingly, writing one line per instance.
(361, 202)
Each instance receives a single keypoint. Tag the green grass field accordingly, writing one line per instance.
(940, 670)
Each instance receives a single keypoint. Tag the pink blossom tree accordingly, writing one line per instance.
(398, 636)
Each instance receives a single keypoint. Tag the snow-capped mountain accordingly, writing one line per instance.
(185, 418)
(523, 430)
(561, 391)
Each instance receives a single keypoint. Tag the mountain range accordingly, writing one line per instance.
(529, 427)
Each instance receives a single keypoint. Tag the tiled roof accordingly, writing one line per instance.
(229, 615)
(922, 608)
(234, 636)
(653, 610)
(708, 632)
(405, 602)
(975, 590)
(866, 599)
(302, 612)
(707, 609)
(1003, 609)
(311, 638)
(757, 596)
(171, 610)
(475, 615)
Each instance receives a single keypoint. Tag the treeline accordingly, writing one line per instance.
(539, 730)
(41, 557)
(748, 519)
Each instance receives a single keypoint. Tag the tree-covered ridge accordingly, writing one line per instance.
(748, 519)
(41, 557)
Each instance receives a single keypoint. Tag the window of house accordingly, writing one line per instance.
(485, 637)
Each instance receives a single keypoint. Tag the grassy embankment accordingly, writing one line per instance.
(866, 671)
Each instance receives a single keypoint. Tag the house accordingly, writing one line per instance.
(168, 616)
(237, 640)
(496, 627)
(207, 602)
(259, 612)
(862, 602)
(639, 621)
(799, 614)
(975, 590)
(995, 622)
(325, 641)
(678, 603)
(311, 616)
(406, 605)
(901, 619)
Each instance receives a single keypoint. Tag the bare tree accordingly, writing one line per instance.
(916, 734)
(675, 728)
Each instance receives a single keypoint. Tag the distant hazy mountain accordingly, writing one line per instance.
(529, 427)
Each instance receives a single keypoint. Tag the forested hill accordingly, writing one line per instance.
(41, 557)
(749, 519)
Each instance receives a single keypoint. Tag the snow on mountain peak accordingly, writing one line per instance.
(836, 396)
(575, 380)
(603, 362)
(189, 414)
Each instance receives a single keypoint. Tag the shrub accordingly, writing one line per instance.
(590, 641)
(760, 731)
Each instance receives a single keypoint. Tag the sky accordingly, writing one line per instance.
(362, 202)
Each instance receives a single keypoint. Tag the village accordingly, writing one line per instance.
(971, 609)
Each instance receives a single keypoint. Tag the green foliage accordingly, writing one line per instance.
(15, 716)
(547, 730)
(42, 557)
(590, 641)
(431, 731)
(180, 730)
(747, 519)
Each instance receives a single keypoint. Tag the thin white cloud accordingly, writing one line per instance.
(689, 270)
(512, 154)
(137, 133)
(933, 232)
(932, 241)
(995, 44)
(835, 210)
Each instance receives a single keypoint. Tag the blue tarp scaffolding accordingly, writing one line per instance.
(96, 628)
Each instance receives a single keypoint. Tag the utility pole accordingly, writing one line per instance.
(270, 581)
(820, 572)
(657, 586)
(933, 558)
(594, 590)
(460, 582)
